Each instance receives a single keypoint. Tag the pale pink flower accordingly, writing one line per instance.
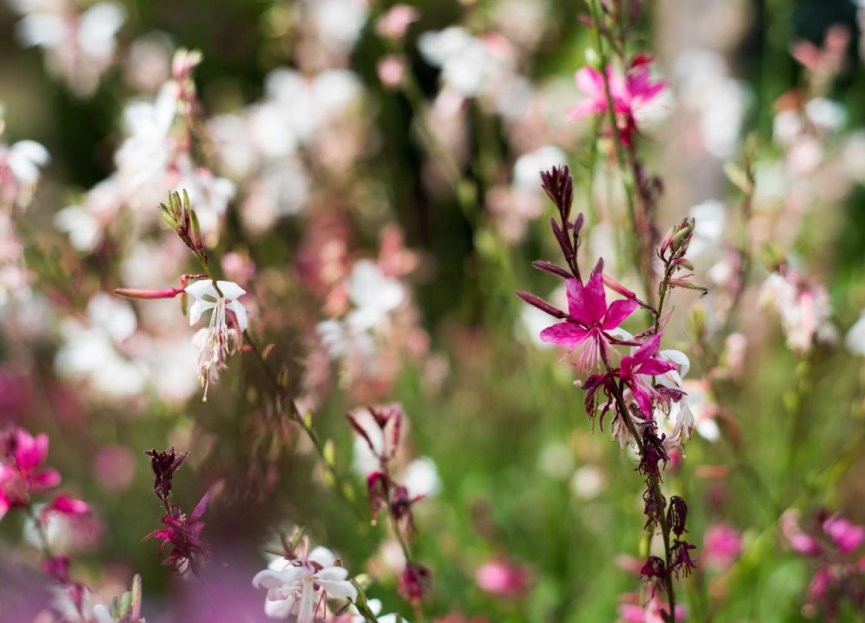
(722, 545)
(395, 23)
(499, 577)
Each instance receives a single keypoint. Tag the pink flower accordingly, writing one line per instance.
(395, 23)
(22, 455)
(589, 318)
(501, 578)
(846, 536)
(628, 93)
(648, 613)
(66, 506)
(721, 546)
(644, 363)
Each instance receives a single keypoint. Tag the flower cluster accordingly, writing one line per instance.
(300, 583)
(831, 542)
(22, 476)
(626, 385)
(181, 533)
(382, 437)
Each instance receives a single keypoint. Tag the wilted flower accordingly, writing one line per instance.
(183, 535)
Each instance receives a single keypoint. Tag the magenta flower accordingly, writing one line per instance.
(628, 94)
(722, 545)
(183, 535)
(637, 368)
(499, 577)
(589, 319)
(21, 456)
(846, 535)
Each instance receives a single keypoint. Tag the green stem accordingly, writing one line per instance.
(340, 483)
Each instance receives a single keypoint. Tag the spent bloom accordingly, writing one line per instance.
(629, 93)
(588, 321)
(300, 587)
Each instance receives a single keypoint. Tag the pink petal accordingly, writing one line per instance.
(45, 479)
(591, 82)
(617, 312)
(67, 506)
(586, 108)
(648, 348)
(587, 303)
(565, 334)
(655, 367)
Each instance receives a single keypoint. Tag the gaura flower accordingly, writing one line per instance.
(589, 320)
(645, 362)
(219, 340)
(628, 93)
(301, 586)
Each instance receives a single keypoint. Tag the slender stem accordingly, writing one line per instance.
(618, 394)
(339, 481)
(627, 167)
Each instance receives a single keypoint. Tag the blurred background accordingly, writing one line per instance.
(346, 159)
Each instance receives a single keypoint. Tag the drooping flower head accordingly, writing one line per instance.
(588, 321)
(228, 321)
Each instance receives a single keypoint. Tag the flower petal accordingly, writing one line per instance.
(270, 579)
(617, 312)
(322, 556)
(198, 308)
(230, 290)
(567, 334)
(240, 312)
(200, 288)
(338, 589)
(587, 303)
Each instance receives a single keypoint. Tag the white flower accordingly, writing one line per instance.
(80, 47)
(680, 414)
(375, 607)
(91, 350)
(215, 341)
(19, 170)
(144, 156)
(374, 296)
(466, 63)
(421, 478)
(855, 339)
(295, 588)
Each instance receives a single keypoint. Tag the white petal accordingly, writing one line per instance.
(198, 308)
(278, 608)
(268, 579)
(201, 288)
(240, 312)
(322, 556)
(341, 589)
(230, 290)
